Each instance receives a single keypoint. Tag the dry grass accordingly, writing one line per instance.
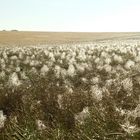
(34, 38)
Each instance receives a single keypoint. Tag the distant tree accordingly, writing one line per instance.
(14, 30)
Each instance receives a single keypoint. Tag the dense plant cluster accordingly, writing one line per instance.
(88, 91)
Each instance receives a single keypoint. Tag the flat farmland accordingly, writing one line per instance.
(34, 38)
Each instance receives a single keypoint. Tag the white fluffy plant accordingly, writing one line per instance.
(96, 92)
(63, 72)
(51, 56)
(44, 70)
(14, 80)
(27, 60)
(2, 75)
(82, 56)
(40, 125)
(104, 54)
(2, 119)
(18, 69)
(80, 67)
(14, 57)
(81, 116)
(118, 59)
(71, 70)
(57, 70)
(95, 80)
(108, 61)
(33, 70)
(23, 75)
(4, 55)
(137, 58)
(2, 63)
(127, 85)
(21, 55)
(129, 64)
(107, 68)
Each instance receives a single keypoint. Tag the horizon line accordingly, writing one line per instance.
(52, 31)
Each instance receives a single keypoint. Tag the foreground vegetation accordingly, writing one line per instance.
(69, 92)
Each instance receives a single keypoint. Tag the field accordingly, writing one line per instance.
(37, 38)
(69, 86)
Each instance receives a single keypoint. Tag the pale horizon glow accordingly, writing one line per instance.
(70, 15)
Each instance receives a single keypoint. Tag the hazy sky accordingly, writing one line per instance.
(70, 15)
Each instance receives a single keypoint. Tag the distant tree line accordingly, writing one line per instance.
(10, 30)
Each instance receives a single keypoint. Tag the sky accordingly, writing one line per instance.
(70, 15)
